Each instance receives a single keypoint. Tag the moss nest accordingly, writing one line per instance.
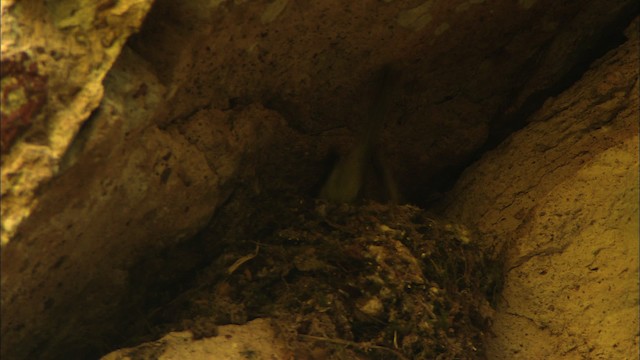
(350, 281)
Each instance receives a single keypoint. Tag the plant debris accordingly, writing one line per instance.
(344, 281)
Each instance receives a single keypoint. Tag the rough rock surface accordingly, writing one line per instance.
(562, 194)
(107, 162)
(54, 57)
(254, 340)
(465, 67)
(100, 191)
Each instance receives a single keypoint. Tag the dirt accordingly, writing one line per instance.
(366, 281)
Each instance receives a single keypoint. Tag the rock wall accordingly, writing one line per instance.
(113, 152)
(562, 196)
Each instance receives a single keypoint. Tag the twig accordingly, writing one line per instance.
(353, 344)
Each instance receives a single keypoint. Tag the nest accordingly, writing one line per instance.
(366, 281)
